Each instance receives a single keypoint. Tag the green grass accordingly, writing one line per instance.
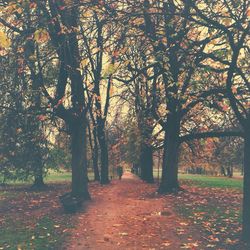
(218, 221)
(51, 177)
(207, 181)
(27, 229)
(63, 176)
(54, 176)
(210, 181)
(208, 211)
(45, 234)
(6, 195)
(214, 205)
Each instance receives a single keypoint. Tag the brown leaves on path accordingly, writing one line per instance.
(128, 214)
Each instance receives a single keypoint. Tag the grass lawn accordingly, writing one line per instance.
(35, 220)
(52, 177)
(213, 204)
(208, 181)
(211, 181)
(32, 219)
(62, 176)
(44, 234)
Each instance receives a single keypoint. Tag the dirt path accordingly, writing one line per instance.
(127, 214)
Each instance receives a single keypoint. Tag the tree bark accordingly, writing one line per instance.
(38, 161)
(146, 150)
(95, 158)
(169, 182)
(38, 178)
(246, 189)
(104, 152)
(79, 161)
(94, 152)
(146, 163)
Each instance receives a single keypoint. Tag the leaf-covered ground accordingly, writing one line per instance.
(33, 220)
(216, 212)
(126, 214)
(129, 215)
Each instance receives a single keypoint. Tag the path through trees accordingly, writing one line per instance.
(113, 82)
(129, 215)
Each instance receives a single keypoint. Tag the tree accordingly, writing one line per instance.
(173, 62)
(138, 91)
(63, 33)
(234, 25)
(24, 149)
(94, 32)
(229, 153)
(94, 149)
(55, 24)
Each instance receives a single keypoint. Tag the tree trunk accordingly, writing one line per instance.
(37, 163)
(95, 163)
(39, 182)
(169, 182)
(94, 151)
(246, 189)
(104, 153)
(223, 172)
(146, 163)
(146, 150)
(79, 160)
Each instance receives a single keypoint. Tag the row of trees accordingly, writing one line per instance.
(180, 67)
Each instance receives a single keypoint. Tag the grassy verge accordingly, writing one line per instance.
(45, 233)
(33, 220)
(213, 204)
(51, 177)
(61, 176)
(210, 181)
